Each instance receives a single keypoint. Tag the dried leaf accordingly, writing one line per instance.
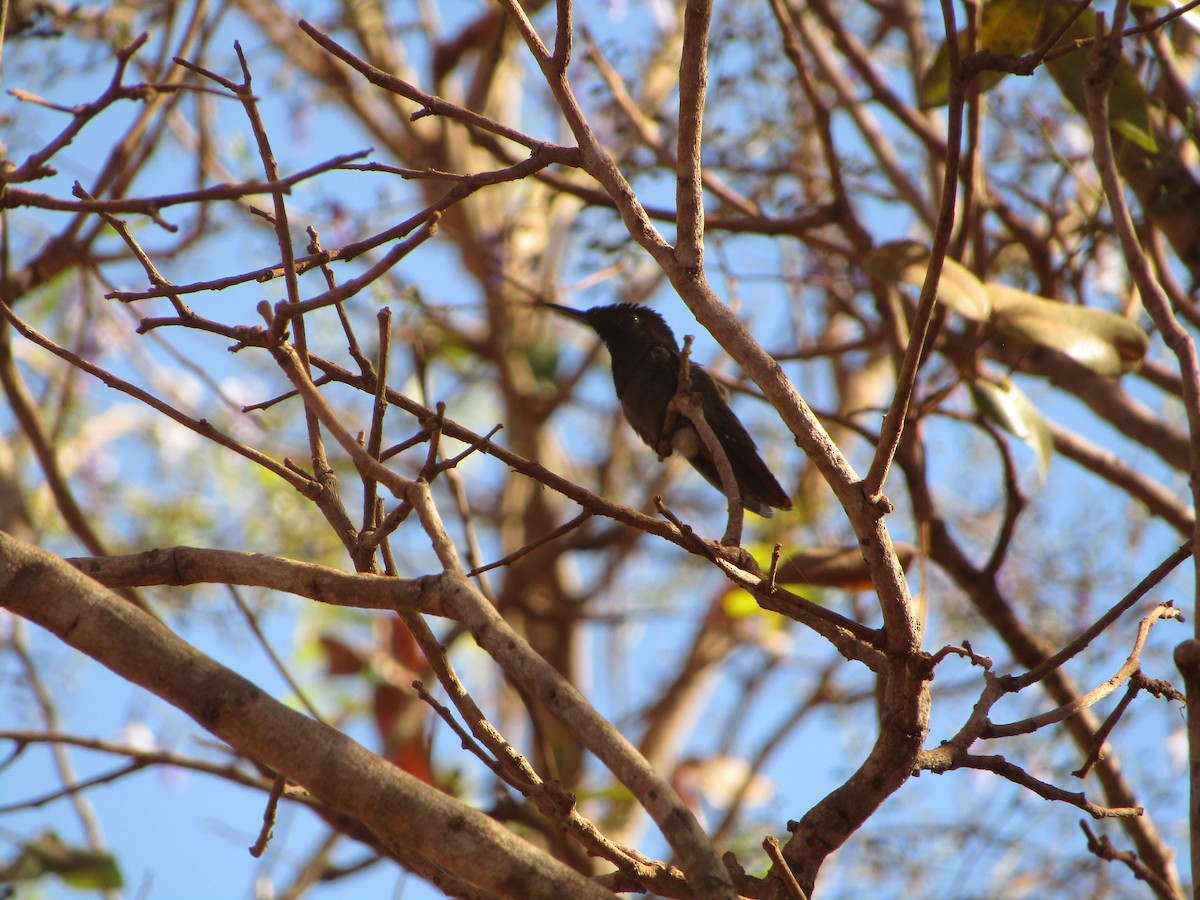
(837, 567)
(906, 262)
(1007, 406)
(1107, 343)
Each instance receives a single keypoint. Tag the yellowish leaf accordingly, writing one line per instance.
(1105, 342)
(906, 262)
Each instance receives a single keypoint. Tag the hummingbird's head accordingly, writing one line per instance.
(624, 326)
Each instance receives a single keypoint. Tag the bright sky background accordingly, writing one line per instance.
(181, 835)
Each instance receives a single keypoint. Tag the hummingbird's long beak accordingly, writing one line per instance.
(577, 314)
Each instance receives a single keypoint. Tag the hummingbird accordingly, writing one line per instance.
(646, 360)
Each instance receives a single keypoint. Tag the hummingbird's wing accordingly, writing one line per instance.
(759, 489)
(645, 387)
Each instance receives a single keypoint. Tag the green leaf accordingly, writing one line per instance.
(906, 262)
(1017, 26)
(93, 872)
(1105, 342)
(935, 83)
(1128, 105)
(740, 604)
(1008, 407)
(1008, 27)
(78, 867)
(1011, 26)
(542, 354)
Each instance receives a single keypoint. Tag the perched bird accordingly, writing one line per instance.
(645, 365)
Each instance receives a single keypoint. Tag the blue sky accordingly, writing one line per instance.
(183, 835)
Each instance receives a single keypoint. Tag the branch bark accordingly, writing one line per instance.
(403, 812)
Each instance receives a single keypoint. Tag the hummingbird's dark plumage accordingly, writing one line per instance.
(645, 364)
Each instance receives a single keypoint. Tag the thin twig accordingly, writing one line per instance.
(1027, 726)
(1039, 672)
(906, 379)
(565, 528)
(269, 813)
(1002, 767)
(781, 868)
(1102, 847)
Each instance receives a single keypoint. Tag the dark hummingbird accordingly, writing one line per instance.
(645, 365)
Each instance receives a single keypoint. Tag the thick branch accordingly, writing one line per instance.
(401, 810)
